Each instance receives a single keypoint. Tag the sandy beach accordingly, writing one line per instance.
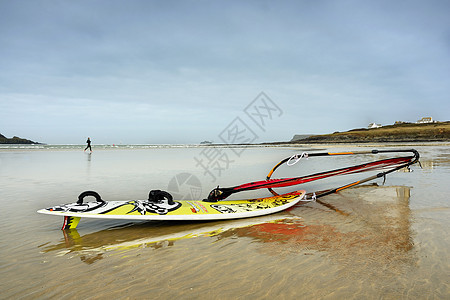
(381, 241)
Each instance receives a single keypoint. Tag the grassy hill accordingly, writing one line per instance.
(406, 132)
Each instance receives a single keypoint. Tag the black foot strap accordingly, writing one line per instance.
(158, 196)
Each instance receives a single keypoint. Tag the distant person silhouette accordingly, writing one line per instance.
(88, 145)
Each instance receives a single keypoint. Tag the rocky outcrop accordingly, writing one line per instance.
(15, 140)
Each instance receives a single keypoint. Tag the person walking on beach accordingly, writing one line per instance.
(88, 145)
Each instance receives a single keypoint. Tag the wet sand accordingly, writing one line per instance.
(375, 241)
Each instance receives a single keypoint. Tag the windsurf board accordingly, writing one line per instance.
(163, 210)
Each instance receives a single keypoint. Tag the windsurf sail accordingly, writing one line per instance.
(388, 165)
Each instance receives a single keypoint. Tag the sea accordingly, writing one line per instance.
(386, 239)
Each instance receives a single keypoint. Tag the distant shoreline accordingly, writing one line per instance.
(100, 148)
(391, 134)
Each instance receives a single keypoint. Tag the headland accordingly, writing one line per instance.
(15, 140)
(402, 132)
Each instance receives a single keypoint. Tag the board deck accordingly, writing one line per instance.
(179, 210)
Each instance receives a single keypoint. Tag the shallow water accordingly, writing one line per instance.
(374, 241)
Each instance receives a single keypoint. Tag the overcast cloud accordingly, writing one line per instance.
(181, 71)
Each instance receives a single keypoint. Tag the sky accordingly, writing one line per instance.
(177, 72)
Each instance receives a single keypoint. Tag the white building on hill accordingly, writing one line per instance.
(425, 120)
(374, 125)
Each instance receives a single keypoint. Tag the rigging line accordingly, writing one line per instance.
(382, 174)
(297, 158)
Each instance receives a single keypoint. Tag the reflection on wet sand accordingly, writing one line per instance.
(150, 235)
(374, 233)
